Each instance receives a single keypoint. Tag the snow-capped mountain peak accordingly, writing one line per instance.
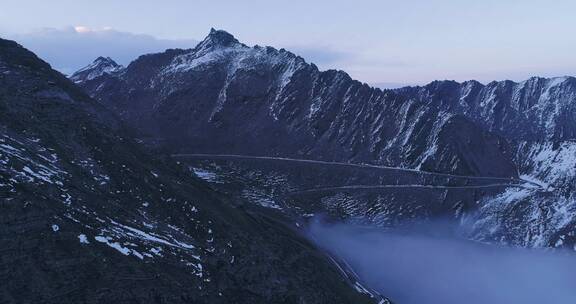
(99, 67)
(217, 39)
(105, 60)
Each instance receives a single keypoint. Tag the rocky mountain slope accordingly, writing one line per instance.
(88, 216)
(535, 116)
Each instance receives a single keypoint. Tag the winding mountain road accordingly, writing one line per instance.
(510, 181)
(379, 187)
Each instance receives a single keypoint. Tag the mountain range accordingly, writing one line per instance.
(223, 97)
(190, 175)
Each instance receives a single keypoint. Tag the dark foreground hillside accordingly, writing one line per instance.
(86, 216)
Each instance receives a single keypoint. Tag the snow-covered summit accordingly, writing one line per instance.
(216, 39)
(99, 67)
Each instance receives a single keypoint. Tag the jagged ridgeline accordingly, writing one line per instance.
(87, 216)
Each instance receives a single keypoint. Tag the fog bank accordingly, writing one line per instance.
(418, 268)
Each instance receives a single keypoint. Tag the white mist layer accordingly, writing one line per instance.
(412, 268)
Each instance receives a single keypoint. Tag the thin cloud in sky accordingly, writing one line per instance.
(435, 39)
(322, 55)
(354, 62)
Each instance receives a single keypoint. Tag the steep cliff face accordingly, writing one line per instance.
(225, 97)
(87, 216)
